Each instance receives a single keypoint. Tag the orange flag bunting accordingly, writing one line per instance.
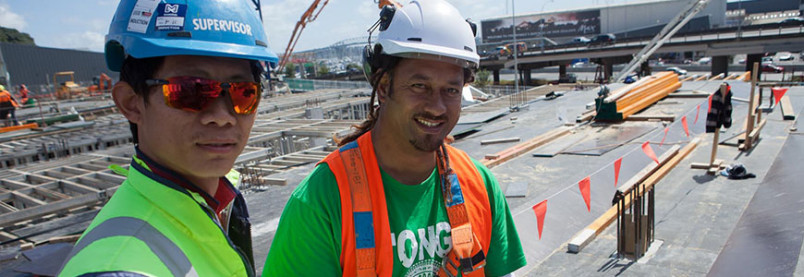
(696, 114)
(684, 123)
(540, 209)
(665, 136)
(710, 103)
(778, 93)
(649, 151)
(583, 185)
(617, 164)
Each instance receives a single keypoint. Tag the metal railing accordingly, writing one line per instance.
(299, 85)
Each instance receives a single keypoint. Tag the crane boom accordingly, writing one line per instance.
(664, 35)
(309, 16)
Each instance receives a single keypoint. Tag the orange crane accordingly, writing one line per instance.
(308, 16)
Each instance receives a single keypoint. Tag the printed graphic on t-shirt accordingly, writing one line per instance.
(421, 251)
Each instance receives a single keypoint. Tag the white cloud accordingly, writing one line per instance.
(10, 19)
(87, 40)
(279, 20)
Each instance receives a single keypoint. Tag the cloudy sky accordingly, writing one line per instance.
(82, 24)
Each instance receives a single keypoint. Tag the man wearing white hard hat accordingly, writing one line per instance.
(189, 86)
(395, 200)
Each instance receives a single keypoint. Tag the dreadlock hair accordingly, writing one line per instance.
(135, 71)
(381, 65)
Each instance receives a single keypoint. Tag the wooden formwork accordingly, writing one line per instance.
(41, 148)
(628, 100)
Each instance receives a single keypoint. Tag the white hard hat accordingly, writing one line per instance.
(430, 29)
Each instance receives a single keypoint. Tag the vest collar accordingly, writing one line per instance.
(224, 196)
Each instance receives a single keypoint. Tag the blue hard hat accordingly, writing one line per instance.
(155, 28)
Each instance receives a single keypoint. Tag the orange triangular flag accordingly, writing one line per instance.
(778, 93)
(665, 136)
(649, 151)
(583, 185)
(540, 209)
(684, 123)
(617, 164)
(696, 114)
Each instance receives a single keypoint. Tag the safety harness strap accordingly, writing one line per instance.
(467, 254)
(361, 208)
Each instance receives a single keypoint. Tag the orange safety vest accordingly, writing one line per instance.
(6, 97)
(366, 233)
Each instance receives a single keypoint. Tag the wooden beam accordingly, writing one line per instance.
(751, 138)
(588, 234)
(274, 181)
(702, 77)
(501, 140)
(38, 211)
(787, 108)
(27, 199)
(526, 146)
(688, 95)
(640, 117)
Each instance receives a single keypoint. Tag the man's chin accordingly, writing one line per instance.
(216, 168)
(428, 145)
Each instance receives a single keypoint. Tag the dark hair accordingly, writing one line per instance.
(135, 71)
(383, 64)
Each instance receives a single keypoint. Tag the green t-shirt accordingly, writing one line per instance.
(308, 239)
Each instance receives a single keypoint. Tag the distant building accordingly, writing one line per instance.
(765, 6)
(624, 21)
(762, 11)
(34, 66)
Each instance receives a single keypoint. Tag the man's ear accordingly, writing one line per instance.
(383, 88)
(130, 104)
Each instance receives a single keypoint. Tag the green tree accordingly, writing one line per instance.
(323, 69)
(482, 78)
(290, 70)
(11, 35)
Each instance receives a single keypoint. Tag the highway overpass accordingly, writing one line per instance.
(718, 43)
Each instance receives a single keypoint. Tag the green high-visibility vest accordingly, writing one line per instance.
(156, 229)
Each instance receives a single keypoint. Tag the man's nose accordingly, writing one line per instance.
(219, 112)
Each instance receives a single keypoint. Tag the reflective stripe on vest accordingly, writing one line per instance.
(168, 252)
(470, 185)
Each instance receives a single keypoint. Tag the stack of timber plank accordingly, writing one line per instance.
(628, 100)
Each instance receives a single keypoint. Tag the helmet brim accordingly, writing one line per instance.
(142, 48)
(419, 50)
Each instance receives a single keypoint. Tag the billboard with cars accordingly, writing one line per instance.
(564, 24)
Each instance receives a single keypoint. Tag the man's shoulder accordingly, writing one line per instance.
(320, 183)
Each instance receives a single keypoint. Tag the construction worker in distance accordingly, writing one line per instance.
(395, 200)
(23, 91)
(189, 86)
(7, 106)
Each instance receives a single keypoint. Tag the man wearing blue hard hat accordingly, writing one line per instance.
(189, 86)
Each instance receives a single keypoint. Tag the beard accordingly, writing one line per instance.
(427, 143)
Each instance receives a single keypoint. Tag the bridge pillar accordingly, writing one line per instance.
(608, 70)
(526, 77)
(749, 63)
(720, 64)
(562, 71)
(496, 74)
